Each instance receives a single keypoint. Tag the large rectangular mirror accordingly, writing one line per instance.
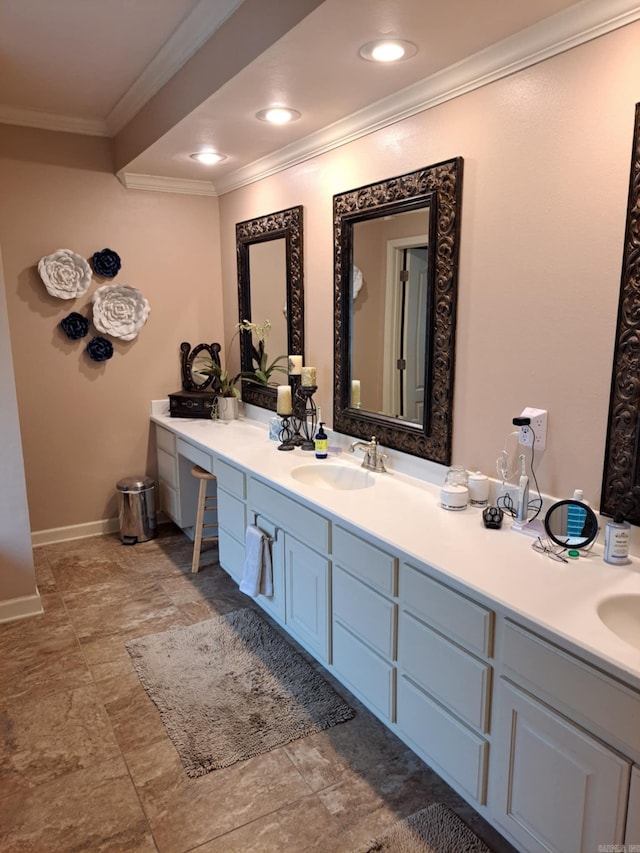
(270, 287)
(621, 476)
(395, 258)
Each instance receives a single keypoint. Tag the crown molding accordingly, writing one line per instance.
(50, 121)
(157, 183)
(550, 37)
(196, 29)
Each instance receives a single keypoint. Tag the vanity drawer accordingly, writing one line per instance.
(451, 675)
(169, 503)
(231, 555)
(369, 675)
(289, 515)
(195, 455)
(231, 479)
(442, 739)
(367, 613)
(165, 440)
(456, 616)
(232, 515)
(605, 706)
(167, 469)
(365, 560)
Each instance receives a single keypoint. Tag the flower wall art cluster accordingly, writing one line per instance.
(119, 310)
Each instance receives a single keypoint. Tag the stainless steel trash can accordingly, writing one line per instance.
(136, 509)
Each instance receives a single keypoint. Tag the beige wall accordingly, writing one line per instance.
(86, 425)
(547, 157)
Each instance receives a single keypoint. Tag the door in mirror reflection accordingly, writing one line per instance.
(390, 302)
(268, 277)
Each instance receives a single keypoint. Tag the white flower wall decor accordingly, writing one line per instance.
(65, 274)
(119, 310)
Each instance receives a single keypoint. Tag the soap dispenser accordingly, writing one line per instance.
(321, 442)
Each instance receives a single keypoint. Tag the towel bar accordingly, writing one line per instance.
(276, 529)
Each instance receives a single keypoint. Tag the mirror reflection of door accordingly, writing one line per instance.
(388, 315)
(405, 330)
(268, 282)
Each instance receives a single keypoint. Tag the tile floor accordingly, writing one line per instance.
(86, 765)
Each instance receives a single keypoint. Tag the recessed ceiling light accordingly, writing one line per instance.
(388, 50)
(207, 157)
(278, 115)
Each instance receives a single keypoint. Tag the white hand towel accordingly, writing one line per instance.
(257, 577)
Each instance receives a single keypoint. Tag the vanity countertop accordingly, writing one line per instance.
(558, 599)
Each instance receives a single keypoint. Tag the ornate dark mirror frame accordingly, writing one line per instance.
(287, 224)
(438, 187)
(621, 477)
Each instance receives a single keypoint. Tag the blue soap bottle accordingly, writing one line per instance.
(321, 442)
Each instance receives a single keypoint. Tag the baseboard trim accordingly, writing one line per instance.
(73, 531)
(20, 608)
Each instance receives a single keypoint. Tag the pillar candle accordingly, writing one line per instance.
(283, 405)
(308, 376)
(355, 392)
(295, 365)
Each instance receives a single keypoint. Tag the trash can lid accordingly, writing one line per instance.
(134, 484)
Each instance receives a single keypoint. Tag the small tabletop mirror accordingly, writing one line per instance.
(571, 524)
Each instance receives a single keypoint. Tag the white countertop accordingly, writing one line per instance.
(560, 599)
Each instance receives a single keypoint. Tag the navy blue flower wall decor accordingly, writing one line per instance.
(99, 349)
(106, 263)
(75, 326)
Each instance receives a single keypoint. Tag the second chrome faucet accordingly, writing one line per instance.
(373, 458)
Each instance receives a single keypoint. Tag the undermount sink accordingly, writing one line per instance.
(621, 614)
(326, 475)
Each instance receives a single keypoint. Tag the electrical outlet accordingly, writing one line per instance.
(538, 427)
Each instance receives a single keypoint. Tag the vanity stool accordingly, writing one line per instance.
(205, 503)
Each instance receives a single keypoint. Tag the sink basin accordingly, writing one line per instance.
(325, 475)
(621, 614)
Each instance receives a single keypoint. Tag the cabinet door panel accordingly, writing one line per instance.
(633, 812)
(366, 672)
(307, 596)
(230, 554)
(167, 468)
(442, 739)
(455, 615)
(557, 788)
(454, 677)
(232, 515)
(367, 613)
(365, 560)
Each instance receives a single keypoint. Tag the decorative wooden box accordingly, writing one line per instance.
(191, 404)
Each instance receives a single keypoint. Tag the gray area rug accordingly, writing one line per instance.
(435, 829)
(231, 688)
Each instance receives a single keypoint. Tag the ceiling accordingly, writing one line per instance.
(164, 78)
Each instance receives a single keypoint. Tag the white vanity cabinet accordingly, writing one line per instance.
(302, 570)
(560, 775)
(365, 616)
(444, 678)
(177, 487)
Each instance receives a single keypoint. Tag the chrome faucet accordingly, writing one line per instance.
(373, 458)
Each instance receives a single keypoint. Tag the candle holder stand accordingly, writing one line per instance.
(296, 420)
(306, 413)
(286, 435)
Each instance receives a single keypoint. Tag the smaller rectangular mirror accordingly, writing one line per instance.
(270, 287)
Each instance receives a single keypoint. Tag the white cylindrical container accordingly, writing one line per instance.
(453, 496)
(478, 489)
(616, 541)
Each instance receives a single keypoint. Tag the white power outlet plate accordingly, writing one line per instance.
(538, 428)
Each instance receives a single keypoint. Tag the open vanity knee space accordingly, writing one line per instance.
(489, 663)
